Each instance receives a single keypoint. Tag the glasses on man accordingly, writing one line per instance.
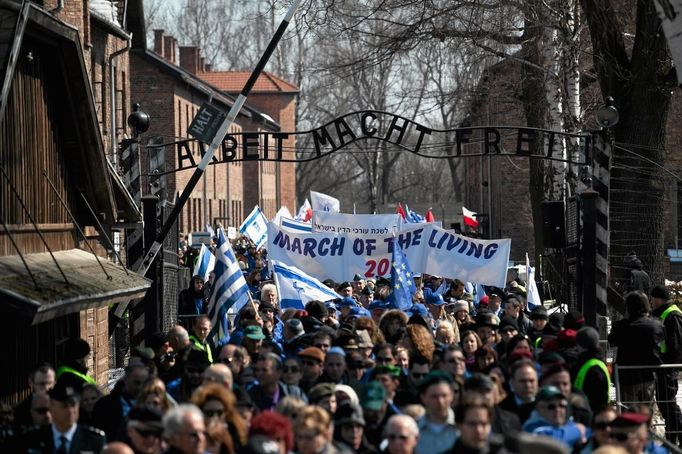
(147, 433)
(394, 437)
(214, 413)
(556, 406)
(619, 436)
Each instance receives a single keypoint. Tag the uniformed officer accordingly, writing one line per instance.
(64, 435)
(74, 370)
(671, 352)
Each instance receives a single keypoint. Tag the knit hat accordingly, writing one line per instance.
(588, 338)
(76, 348)
(460, 305)
(574, 320)
(508, 322)
(539, 313)
(661, 292)
(295, 326)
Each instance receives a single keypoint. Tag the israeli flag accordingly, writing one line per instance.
(204, 264)
(283, 212)
(324, 202)
(295, 288)
(256, 227)
(296, 226)
(230, 290)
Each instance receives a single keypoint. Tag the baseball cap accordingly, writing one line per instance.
(372, 396)
(348, 413)
(549, 393)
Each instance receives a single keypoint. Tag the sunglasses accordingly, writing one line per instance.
(555, 406)
(214, 413)
(397, 437)
(601, 425)
(146, 433)
(292, 369)
(619, 436)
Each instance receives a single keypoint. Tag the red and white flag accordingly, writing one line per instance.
(305, 213)
(429, 216)
(469, 218)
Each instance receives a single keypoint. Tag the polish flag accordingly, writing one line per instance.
(429, 216)
(469, 218)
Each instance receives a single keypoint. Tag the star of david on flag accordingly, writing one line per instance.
(402, 279)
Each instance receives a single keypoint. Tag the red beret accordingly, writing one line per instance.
(567, 336)
(630, 419)
(484, 301)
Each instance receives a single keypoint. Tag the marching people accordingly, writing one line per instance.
(360, 375)
(671, 353)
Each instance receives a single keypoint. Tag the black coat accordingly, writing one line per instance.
(522, 411)
(108, 413)
(85, 440)
(596, 384)
(638, 341)
(673, 334)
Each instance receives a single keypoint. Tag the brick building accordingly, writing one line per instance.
(63, 105)
(172, 82)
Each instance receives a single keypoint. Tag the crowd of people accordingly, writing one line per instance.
(357, 375)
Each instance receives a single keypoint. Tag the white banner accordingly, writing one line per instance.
(429, 249)
(365, 224)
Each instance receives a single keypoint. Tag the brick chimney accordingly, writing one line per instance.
(158, 41)
(169, 48)
(189, 58)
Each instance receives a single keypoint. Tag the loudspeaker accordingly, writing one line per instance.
(456, 226)
(553, 224)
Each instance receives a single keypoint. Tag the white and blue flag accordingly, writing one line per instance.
(296, 288)
(230, 291)
(296, 226)
(255, 226)
(324, 202)
(204, 264)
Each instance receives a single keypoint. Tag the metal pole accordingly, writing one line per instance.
(588, 199)
(215, 143)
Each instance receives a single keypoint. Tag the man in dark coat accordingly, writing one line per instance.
(64, 435)
(73, 370)
(111, 411)
(638, 338)
(671, 351)
(638, 278)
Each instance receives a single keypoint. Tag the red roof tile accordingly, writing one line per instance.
(234, 81)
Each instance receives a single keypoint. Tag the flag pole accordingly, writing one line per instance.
(215, 144)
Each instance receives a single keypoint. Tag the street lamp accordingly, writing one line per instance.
(607, 115)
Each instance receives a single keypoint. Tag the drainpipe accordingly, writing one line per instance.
(59, 8)
(112, 95)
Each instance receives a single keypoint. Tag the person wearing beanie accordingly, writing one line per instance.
(590, 374)
(671, 351)
(73, 369)
(638, 338)
(539, 318)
